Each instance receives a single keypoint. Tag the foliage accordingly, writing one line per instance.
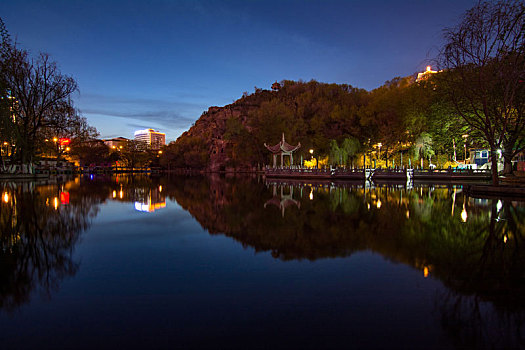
(484, 66)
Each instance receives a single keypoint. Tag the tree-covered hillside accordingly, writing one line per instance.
(336, 121)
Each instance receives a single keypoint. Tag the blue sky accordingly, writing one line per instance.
(161, 63)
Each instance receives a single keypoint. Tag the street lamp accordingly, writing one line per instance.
(465, 145)
(312, 153)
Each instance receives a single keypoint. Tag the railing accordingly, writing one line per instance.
(452, 171)
(369, 173)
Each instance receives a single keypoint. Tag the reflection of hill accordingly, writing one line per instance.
(480, 260)
(37, 236)
(422, 228)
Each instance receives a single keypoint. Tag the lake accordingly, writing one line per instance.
(242, 262)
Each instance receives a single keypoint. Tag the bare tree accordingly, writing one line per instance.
(484, 68)
(40, 99)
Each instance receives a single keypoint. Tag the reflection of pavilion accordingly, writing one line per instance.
(283, 201)
(283, 149)
(150, 200)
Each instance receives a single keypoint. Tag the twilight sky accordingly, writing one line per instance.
(161, 63)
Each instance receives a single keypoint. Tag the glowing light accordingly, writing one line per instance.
(160, 152)
(6, 197)
(311, 194)
(114, 194)
(425, 271)
(368, 206)
(499, 205)
(378, 203)
(429, 68)
(55, 201)
(68, 149)
(311, 151)
(160, 188)
(504, 239)
(64, 197)
(121, 194)
(408, 214)
(55, 139)
(113, 147)
(464, 214)
(64, 141)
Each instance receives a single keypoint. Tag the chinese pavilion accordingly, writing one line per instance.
(283, 149)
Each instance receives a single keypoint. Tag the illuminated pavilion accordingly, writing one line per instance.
(283, 149)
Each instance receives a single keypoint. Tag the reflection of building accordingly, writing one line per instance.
(283, 201)
(116, 143)
(149, 200)
(153, 139)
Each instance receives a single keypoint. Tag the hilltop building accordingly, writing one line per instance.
(426, 74)
(153, 139)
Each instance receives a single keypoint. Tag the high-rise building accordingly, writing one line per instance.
(153, 139)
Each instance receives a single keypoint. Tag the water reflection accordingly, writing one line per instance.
(39, 226)
(474, 246)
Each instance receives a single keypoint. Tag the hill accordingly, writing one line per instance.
(312, 113)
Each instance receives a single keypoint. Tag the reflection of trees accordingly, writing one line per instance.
(481, 261)
(494, 271)
(422, 228)
(473, 323)
(37, 239)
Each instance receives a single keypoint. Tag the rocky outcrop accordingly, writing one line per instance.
(212, 125)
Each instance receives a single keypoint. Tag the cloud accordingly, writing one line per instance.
(168, 114)
(166, 118)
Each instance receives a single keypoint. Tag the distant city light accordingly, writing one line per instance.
(64, 141)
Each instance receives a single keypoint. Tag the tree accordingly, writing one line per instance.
(6, 123)
(350, 146)
(133, 153)
(39, 98)
(484, 68)
(90, 152)
(423, 148)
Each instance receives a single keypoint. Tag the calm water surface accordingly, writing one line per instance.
(211, 262)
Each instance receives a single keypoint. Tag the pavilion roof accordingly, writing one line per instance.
(282, 146)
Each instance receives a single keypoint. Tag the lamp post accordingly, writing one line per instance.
(55, 140)
(379, 152)
(465, 137)
(312, 153)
